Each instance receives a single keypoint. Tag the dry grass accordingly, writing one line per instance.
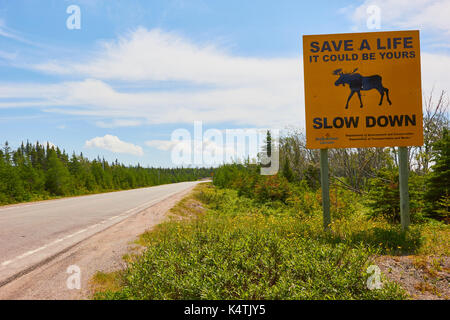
(187, 208)
(102, 281)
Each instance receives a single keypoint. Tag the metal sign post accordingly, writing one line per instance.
(325, 188)
(403, 179)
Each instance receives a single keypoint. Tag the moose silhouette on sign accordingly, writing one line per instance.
(358, 82)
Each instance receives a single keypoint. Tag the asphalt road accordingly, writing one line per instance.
(33, 233)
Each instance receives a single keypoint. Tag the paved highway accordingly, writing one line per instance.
(33, 233)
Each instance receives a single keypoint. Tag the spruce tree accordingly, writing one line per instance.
(58, 180)
(269, 143)
(287, 171)
(438, 181)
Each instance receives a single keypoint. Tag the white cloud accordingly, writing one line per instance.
(435, 72)
(8, 55)
(189, 146)
(5, 32)
(13, 34)
(271, 105)
(216, 149)
(431, 15)
(161, 56)
(163, 145)
(119, 123)
(114, 144)
(222, 88)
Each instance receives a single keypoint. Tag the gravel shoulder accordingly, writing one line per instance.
(423, 277)
(101, 252)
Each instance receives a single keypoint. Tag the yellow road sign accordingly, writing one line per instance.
(363, 90)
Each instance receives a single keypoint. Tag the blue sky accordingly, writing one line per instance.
(137, 70)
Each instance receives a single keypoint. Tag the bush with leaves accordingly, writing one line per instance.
(272, 188)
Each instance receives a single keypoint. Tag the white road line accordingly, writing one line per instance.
(56, 241)
(26, 254)
(125, 214)
(21, 206)
(6, 263)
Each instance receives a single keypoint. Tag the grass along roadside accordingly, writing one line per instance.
(113, 281)
(218, 245)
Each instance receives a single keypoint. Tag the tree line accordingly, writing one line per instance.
(37, 171)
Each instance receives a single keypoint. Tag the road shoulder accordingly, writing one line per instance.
(101, 252)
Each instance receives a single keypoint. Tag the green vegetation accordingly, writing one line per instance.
(102, 281)
(244, 248)
(373, 172)
(35, 172)
(384, 195)
(437, 195)
(250, 236)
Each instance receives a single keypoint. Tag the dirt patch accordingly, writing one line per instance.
(423, 277)
(102, 252)
(187, 208)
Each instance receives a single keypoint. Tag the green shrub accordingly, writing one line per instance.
(384, 195)
(249, 183)
(247, 258)
(244, 249)
(272, 188)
